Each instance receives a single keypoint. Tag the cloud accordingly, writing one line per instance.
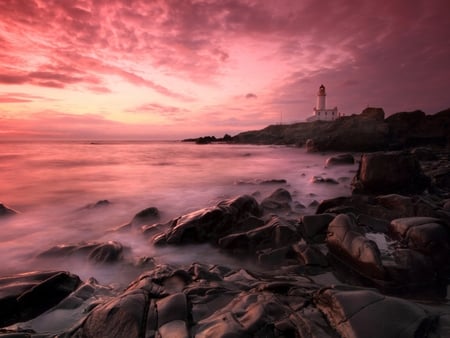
(390, 53)
(171, 112)
(20, 98)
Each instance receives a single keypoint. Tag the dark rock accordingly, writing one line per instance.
(210, 224)
(26, 296)
(273, 181)
(320, 179)
(5, 211)
(349, 311)
(98, 204)
(346, 241)
(276, 233)
(279, 200)
(376, 114)
(108, 252)
(424, 154)
(440, 177)
(412, 129)
(392, 172)
(314, 227)
(426, 235)
(310, 255)
(341, 159)
(124, 316)
(144, 216)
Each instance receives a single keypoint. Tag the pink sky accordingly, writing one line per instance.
(165, 69)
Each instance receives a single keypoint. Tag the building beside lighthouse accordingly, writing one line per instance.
(320, 111)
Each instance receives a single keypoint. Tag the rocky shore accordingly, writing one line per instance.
(375, 263)
(368, 131)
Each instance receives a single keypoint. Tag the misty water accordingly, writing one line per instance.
(50, 183)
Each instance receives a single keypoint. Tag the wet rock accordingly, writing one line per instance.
(25, 296)
(5, 211)
(402, 204)
(98, 204)
(276, 233)
(424, 154)
(310, 255)
(391, 172)
(144, 217)
(314, 227)
(440, 177)
(210, 224)
(349, 311)
(273, 181)
(279, 200)
(108, 252)
(427, 235)
(341, 159)
(346, 242)
(320, 179)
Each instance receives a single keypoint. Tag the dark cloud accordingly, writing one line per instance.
(251, 96)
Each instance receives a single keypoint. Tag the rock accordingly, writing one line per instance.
(210, 224)
(413, 129)
(349, 311)
(98, 204)
(276, 233)
(279, 200)
(391, 172)
(310, 146)
(26, 296)
(108, 252)
(273, 181)
(376, 114)
(424, 154)
(5, 211)
(144, 216)
(346, 241)
(314, 227)
(440, 177)
(402, 204)
(320, 179)
(341, 159)
(426, 235)
(123, 316)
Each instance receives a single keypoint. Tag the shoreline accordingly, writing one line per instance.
(293, 254)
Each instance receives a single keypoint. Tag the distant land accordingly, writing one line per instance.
(368, 131)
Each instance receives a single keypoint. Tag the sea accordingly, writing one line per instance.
(54, 184)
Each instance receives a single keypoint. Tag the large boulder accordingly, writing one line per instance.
(368, 314)
(389, 172)
(25, 296)
(210, 224)
(411, 129)
(349, 244)
(341, 159)
(279, 200)
(276, 233)
(97, 252)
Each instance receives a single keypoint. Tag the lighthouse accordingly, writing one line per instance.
(321, 98)
(320, 111)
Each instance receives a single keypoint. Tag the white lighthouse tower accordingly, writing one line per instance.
(320, 112)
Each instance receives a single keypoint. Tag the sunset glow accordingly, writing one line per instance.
(167, 69)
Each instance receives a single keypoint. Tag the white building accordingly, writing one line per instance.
(320, 112)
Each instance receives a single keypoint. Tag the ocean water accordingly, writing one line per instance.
(50, 183)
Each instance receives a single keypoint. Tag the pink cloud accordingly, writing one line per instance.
(387, 53)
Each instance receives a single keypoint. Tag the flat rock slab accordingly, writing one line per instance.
(368, 314)
(25, 296)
